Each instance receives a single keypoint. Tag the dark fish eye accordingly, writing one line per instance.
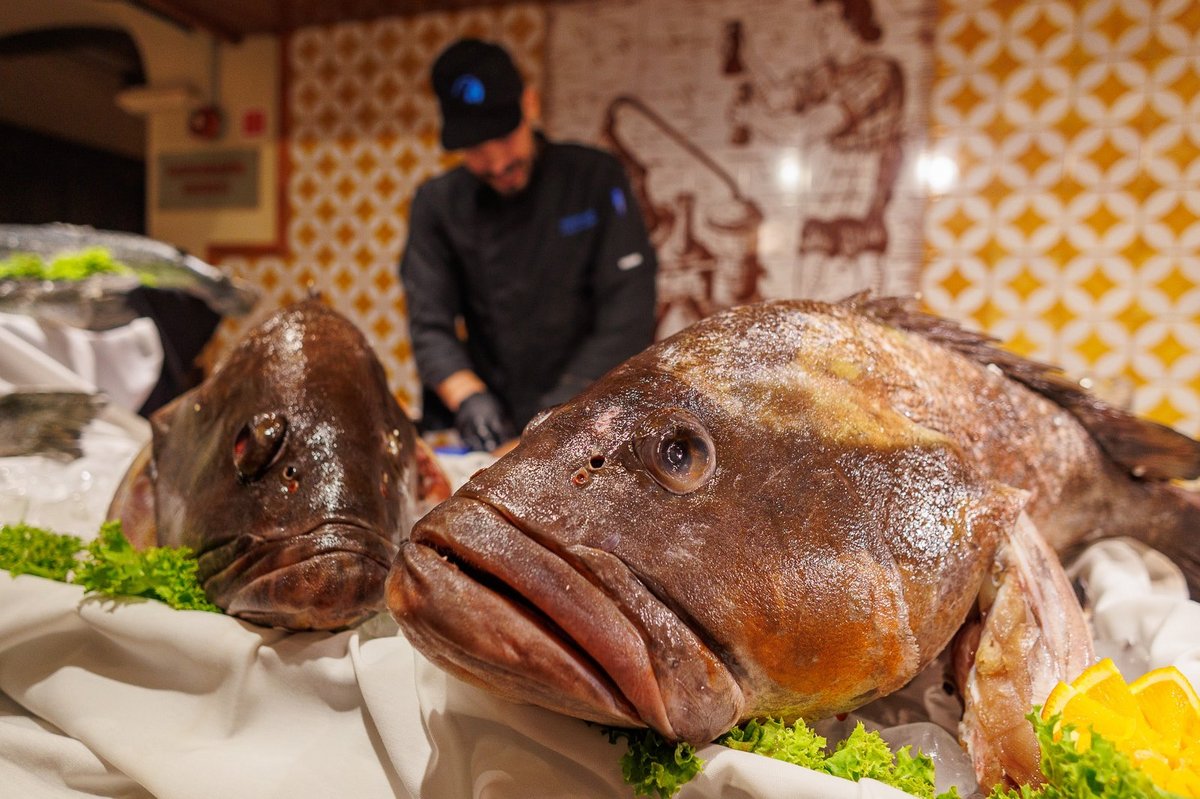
(258, 445)
(677, 450)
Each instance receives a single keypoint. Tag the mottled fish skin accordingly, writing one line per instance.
(788, 508)
(292, 472)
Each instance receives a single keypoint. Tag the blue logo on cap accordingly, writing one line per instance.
(469, 89)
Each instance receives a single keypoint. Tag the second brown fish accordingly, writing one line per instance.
(291, 472)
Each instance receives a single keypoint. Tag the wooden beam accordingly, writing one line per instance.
(189, 17)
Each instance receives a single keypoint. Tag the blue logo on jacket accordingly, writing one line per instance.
(618, 200)
(577, 223)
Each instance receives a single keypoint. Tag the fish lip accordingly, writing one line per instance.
(481, 576)
(604, 622)
(272, 580)
(374, 544)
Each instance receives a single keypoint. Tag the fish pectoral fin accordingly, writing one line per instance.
(1147, 449)
(433, 485)
(1033, 634)
(133, 502)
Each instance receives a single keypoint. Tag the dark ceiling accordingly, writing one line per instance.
(231, 20)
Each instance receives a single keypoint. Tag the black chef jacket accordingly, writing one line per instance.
(555, 285)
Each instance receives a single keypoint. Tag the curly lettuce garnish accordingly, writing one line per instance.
(655, 767)
(23, 266)
(1099, 771)
(32, 550)
(70, 266)
(107, 566)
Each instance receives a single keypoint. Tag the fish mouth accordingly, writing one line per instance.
(567, 627)
(327, 578)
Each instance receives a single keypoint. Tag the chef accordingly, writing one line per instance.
(527, 269)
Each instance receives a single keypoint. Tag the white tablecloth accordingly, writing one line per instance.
(132, 699)
(123, 363)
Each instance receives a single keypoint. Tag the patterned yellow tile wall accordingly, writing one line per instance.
(361, 134)
(1070, 233)
(1072, 229)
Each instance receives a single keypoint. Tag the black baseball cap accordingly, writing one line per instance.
(479, 90)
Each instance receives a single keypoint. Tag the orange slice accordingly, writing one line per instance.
(1099, 690)
(1155, 720)
(1156, 765)
(1057, 700)
(1124, 731)
(1104, 683)
(1169, 703)
(1182, 782)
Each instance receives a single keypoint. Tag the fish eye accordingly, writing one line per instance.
(258, 445)
(677, 450)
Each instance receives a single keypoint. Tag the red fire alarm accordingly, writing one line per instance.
(205, 122)
(254, 122)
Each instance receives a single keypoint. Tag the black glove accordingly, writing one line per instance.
(482, 422)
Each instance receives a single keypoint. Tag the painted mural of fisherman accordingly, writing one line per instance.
(852, 106)
(703, 227)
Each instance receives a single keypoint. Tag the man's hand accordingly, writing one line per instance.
(482, 422)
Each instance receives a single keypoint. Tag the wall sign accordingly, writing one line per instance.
(208, 179)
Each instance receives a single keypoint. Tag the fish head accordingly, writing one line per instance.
(292, 472)
(717, 529)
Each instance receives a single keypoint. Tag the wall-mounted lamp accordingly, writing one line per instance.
(150, 99)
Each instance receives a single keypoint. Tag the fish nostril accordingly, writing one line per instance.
(581, 477)
(596, 461)
(289, 472)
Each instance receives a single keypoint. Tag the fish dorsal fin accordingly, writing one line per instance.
(1147, 449)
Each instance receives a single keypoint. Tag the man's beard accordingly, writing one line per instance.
(501, 181)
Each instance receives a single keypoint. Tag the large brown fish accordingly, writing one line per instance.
(291, 471)
(791, 508)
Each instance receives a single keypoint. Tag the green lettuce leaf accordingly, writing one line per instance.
(31, 550)
(23, 266)
(796, 744)
(655, 767)
(1101, 772)
(69, 266)
(108, 565)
